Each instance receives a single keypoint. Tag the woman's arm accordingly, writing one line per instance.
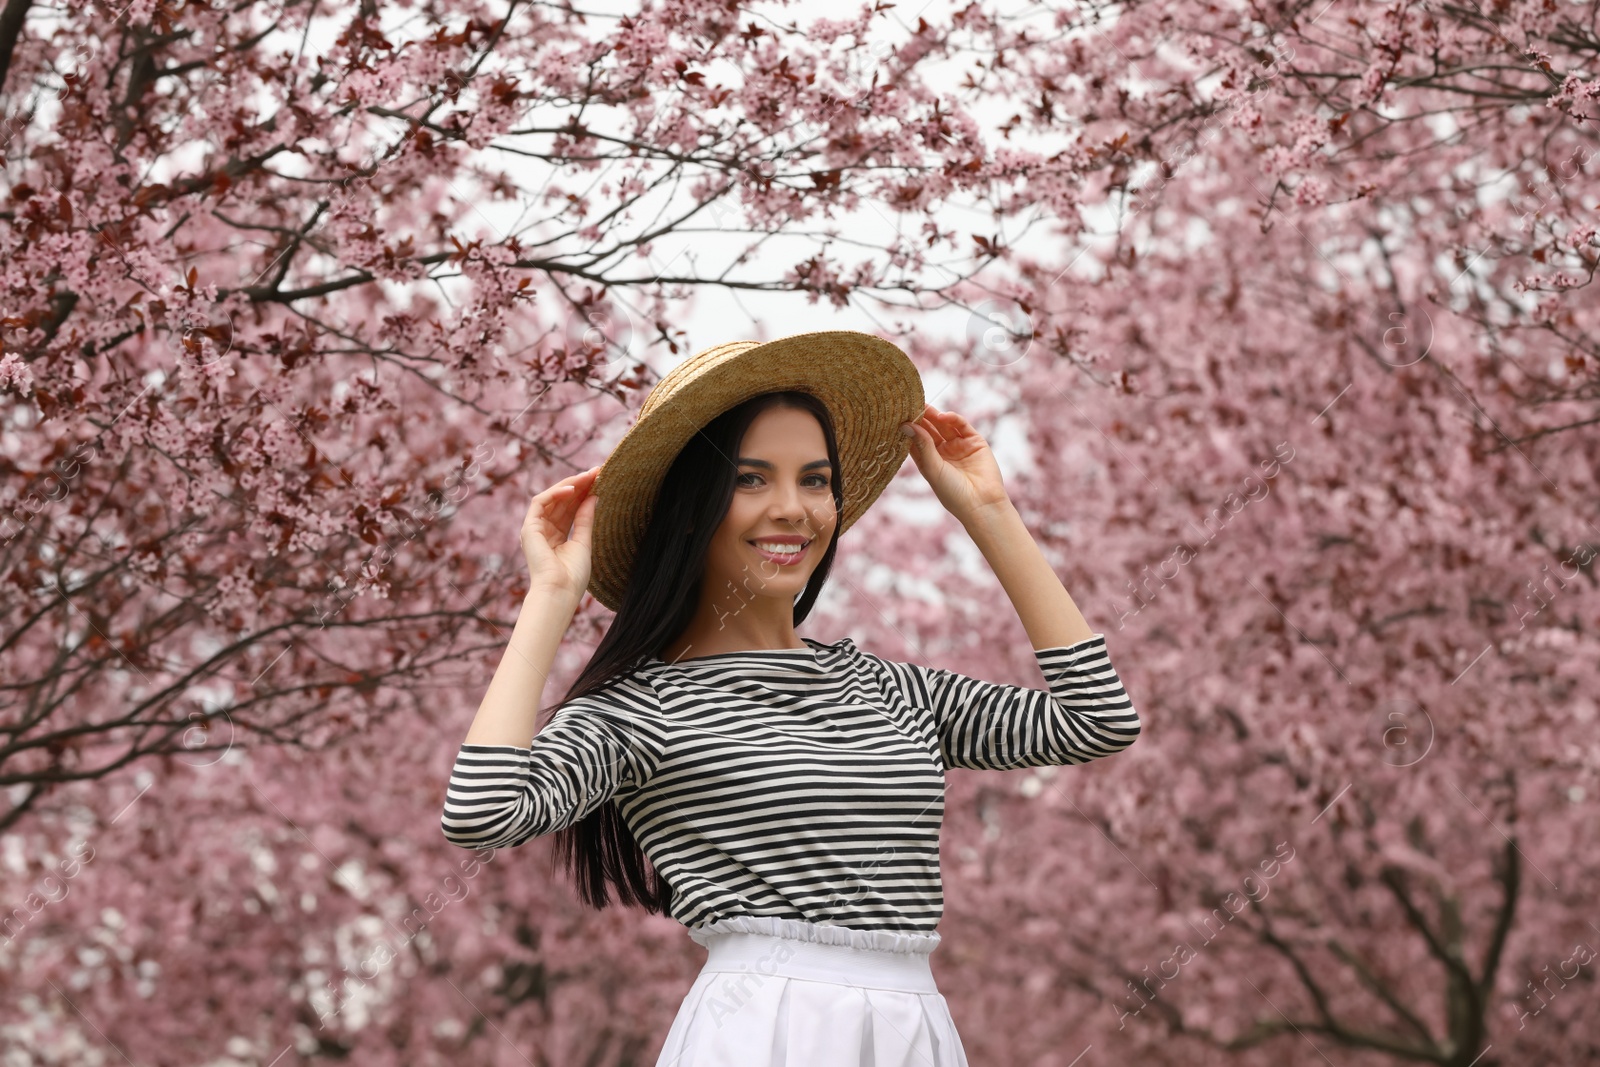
(1084, 715)
(555, 536)
(961, 469)
(600, 745)
(1041, 601)
(508, 713)
(507, 785)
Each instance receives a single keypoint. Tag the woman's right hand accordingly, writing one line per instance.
(555, 536)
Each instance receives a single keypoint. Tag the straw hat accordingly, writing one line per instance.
(869, 386)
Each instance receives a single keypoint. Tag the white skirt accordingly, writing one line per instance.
(778, 992)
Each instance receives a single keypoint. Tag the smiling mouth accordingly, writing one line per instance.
(790, 554)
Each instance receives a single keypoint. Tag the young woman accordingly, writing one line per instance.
(787, 793)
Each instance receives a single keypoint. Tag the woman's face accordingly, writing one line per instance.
(782, 494)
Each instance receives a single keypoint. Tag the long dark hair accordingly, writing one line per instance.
(662, 594)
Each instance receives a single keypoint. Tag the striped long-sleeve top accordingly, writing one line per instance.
(804, 783)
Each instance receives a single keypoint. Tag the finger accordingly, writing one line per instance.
(545, 505)
(583, 525)
(582, 489)
(560, 510)
(960, 425)
(923, 447)
(934, 424)
(575, 480)
(568, 503)
(568, 488)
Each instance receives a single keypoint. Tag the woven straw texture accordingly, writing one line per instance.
(868, 384)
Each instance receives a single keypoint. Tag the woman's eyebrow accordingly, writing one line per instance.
(744, 461)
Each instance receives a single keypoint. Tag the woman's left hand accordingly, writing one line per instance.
(957, 462)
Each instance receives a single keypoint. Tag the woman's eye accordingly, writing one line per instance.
(816, 481)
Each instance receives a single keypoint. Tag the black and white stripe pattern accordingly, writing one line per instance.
(804, 783)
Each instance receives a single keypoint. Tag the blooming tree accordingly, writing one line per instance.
(1338, 507)
(301, 305)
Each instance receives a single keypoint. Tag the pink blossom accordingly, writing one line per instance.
(14, 374)
(1300, 420)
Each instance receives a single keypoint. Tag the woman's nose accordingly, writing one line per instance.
(788, 503)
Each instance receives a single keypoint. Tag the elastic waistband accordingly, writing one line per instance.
(765, 955)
